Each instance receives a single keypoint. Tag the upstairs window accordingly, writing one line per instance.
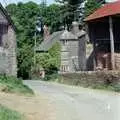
(65, 42)
(0, 40)
(3, 31)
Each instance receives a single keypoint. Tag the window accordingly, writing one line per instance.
(65, 42)
(3, 31)
(0, 40)
(65, 68)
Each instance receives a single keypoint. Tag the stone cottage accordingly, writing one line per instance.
(73, 48)
(8, 63)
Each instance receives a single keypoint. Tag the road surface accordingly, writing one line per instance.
(75, 103)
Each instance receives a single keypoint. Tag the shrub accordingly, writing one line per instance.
(13, 85)
(7, 114)
(49, 61)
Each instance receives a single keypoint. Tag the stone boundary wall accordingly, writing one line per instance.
(91, 79)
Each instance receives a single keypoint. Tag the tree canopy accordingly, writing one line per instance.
(91, 6)
(24, 16)
(70, 10)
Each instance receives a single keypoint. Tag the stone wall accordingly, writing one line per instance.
(117, 61)
(3, 60)
(91, 79)
(82, 53)
(8, 64)
(12, 63)
(73, 55)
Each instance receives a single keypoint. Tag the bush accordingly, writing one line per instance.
(52, 76)
(49, 61)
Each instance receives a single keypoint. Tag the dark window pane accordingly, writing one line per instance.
(0, 40)
(3, 31)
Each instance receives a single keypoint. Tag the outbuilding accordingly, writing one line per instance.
(104, 34)
(8, 64)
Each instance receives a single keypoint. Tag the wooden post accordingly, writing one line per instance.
(112, 43)
(94, 54)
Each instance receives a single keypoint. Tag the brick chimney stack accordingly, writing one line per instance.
(46, 32)
(75, 27)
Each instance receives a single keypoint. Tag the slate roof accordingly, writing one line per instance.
(109, 9)
(81, 33)
(7, 16)
(68, 36)
(47, 44)
(56, 37)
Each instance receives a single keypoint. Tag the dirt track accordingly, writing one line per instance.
(34, 108)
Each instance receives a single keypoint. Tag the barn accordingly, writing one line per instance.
(104, 34)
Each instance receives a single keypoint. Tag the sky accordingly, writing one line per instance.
(38, 1)
(15, 1)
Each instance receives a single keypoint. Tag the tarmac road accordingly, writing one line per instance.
(76, 103)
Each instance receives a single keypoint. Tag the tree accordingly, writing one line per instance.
(24, 16)
(52, 17)
(71, 10)
(91, 6)
(49, 61)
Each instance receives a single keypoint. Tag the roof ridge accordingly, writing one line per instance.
(7, 16)
(49, 42)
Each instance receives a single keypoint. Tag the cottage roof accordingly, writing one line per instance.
(81, 33)
(7, 16)
(47, 44)
(68, 36)
(109, 9)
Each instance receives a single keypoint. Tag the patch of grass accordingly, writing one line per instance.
(12, 84)
(7, 114)
(115, 88)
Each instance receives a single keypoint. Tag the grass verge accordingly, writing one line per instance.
(7, 114)
(11, 84)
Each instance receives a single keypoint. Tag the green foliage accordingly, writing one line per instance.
(91, 6)
(25, 61)
(52, 76)
(49, 61)
(51, 17)
(70, 11)
(13, 85)
(24, 16)
(55, 53)
(7, 114)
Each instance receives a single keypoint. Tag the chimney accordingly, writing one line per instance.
(75, 27)
(46, 32)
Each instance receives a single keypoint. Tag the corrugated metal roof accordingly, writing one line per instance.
(109, 9)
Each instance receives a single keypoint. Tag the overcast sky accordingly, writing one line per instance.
(15, 1)
(38, 1)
